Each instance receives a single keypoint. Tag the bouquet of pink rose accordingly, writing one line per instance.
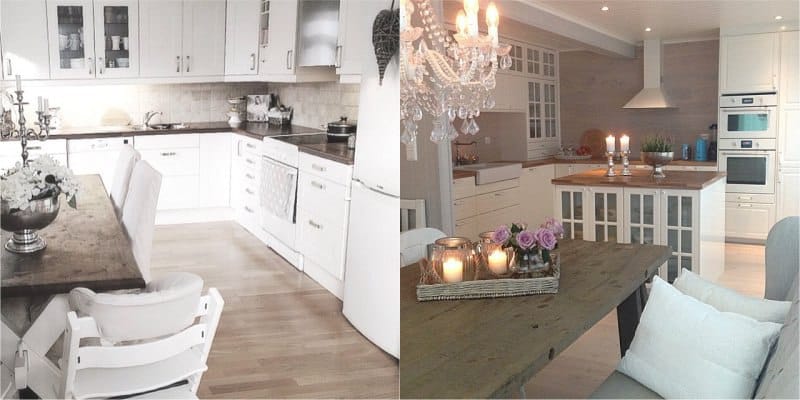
(527, 243)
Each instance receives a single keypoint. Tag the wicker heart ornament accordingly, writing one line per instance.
(386, 37)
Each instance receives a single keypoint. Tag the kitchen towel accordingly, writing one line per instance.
(278, 189)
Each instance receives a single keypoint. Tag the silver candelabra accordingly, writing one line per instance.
(8, 131)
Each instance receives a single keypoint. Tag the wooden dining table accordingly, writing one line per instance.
(86, 247)
(484, 348)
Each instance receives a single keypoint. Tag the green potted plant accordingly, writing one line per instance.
(657, 152)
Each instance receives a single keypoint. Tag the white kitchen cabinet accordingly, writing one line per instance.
(467, 227)
(507, 93)
(749, 63)
(749, 221)
(96, 156)
(790, 68)
(278, 38)
(215, 167)
(642, 216)
(355, 37)
(590, 213)
(787, 193)
(177, 158)
(245, 183)
(11, 151)
(572, 169)
(543, 120)
(116, 38)
(182, 38)
(789, 137)
(241, 37)
(541, 62)
(571, 209)
(479, 208)
(536, 194)
(23, 32)
(70, 26)
(680, 229)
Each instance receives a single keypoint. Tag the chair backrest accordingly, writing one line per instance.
(782, 255)
(139, 213)
(412, 214)
(171, 349)
(414, 243)
(128, 157)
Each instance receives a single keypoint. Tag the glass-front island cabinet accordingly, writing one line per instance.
(685, 211)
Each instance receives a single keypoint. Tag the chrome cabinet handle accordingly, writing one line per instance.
(10, 71)
(318, 167)
(250, 145)
(248, 209)
(314, 224)
(249, 161)
(98, 145)
(745, 205)
(169, 154)
(102, 65)
(249, 176)
(34, 147)
(318, 185)
(338, 61)
(252, 61)
(745, 197)
(248, 191)
(178, 64)
(289, 59)
(187, 63)
(90, 65)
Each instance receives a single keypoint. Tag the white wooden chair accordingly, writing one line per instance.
(414, 243)
(139, 213)
(128, 157)
(149, 344)
(412, 214)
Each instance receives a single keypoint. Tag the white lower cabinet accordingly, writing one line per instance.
(323, 204)
(570, 208)
(680, 231)
(749, 221)
(788, 193)
(215, 167)
(479, 208)
(536, 194)
(96, 156)
(245, 182)
(11, 151)
(590, 213)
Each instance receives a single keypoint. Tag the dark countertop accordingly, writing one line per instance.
(642, 179)
(308, 140)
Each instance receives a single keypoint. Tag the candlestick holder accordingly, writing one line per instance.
(610, 171)
(9, 132)
(626, 171)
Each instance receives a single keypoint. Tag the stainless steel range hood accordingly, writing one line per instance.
(652, 95)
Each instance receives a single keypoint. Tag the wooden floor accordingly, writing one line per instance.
(583, 366)
(281, 334)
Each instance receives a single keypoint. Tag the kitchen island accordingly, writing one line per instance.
(685, 211)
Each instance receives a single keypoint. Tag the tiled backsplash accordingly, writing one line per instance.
(102, 105)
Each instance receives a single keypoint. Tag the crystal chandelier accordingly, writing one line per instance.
(447, 76)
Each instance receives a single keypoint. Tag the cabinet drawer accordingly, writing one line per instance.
(158, 142)
(245, 145)
(322, 240)
(493, 219)
(464, 187)
(36, 148)
(750, 198)
(495, 186)
(496, 200)
(748, 220)
(464, 208)
(100, 144)
(174, 161)
(280, 151)
(467, 227)
(327, 169)
(249, 161)
(319, 195)
(178, 192)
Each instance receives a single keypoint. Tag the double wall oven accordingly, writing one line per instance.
(748, 154)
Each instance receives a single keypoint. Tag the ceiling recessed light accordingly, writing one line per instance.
(778, 17)
(647, 29)
(783, 27)
(604, 8)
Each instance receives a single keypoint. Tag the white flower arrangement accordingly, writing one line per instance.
(41, 178)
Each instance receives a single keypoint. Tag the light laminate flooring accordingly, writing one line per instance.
(281, 334)
(583, 366)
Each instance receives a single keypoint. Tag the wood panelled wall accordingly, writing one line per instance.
(595, 87)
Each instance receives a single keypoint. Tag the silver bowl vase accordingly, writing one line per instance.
(25, 223)
(657, 160)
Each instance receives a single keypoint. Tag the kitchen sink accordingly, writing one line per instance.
(492, 171)
(161, 127)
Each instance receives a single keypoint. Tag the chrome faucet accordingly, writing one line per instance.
(148, 116)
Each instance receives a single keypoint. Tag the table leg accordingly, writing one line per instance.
(628, 313)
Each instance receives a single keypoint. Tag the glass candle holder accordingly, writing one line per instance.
(453, 259)
(493, 256)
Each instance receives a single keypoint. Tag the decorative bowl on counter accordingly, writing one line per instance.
(24, 223)
(657, 160)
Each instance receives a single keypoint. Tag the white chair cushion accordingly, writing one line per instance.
(128, 157)
(414, 244)
(139, 213)
(684, 348)
(724, 299)
(167, 306)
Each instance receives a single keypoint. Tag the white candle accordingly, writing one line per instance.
(19, 83)
(471, 7)
(461, 23)
(492, 21)
(498, 262)
(453, 270)
(624, 143)
(611, 144)
(41, 103)
(46, 105)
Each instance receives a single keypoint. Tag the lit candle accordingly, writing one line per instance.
(624, 143)
(461, 22)
(41, 103)
(19, 83)
(472, 7)
(492, 21)
(611, 144)
(453, 270)
(498, 262)
(46, 105)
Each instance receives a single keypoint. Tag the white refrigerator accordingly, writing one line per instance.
(372, 271)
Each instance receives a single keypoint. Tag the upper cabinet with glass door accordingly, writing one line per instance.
(71, 33)
(116, 38)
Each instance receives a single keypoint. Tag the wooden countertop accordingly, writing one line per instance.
(490, 347)
(693, 180)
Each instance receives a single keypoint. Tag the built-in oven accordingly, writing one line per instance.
(748, 116)
(749, 164)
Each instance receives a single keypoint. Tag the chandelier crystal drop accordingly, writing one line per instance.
(447, 76)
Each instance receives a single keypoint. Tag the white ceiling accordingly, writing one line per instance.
(670, 19)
